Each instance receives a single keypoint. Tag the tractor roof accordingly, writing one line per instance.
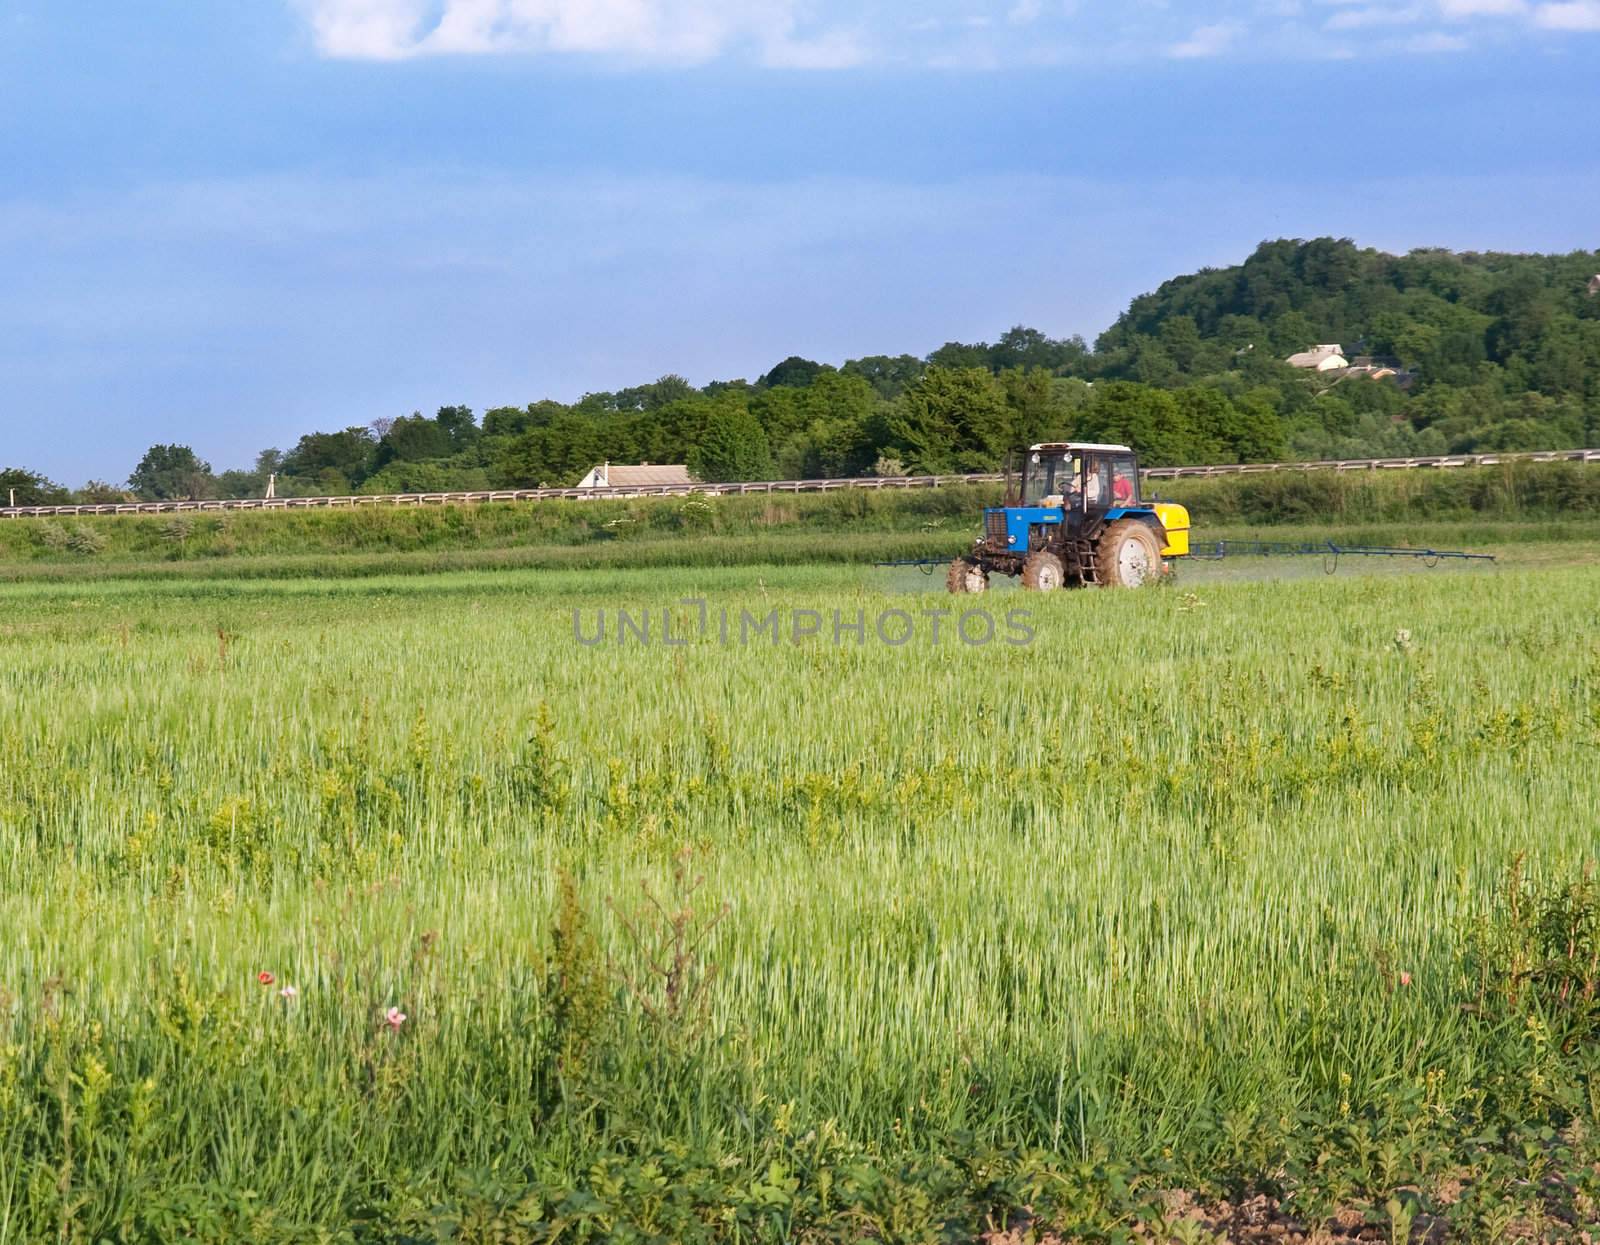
(1081, 445)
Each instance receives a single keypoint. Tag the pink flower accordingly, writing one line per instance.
(1405, 979)
(394, 1018)
(288, 992)
(265, 978)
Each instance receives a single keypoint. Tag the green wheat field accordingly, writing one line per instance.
(387, 910)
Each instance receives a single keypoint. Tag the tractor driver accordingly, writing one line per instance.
(1071, 482)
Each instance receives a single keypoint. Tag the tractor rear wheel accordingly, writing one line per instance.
(1128, 555)
(1043, 572)
(965, 575)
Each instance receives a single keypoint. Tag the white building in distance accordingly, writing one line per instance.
(1327, 358)
(645, 475)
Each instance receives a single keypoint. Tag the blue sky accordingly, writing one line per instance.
(227, 224)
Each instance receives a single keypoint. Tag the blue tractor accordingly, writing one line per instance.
(1073, 517)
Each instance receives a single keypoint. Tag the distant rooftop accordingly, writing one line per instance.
(1323, 357)
(641, 475)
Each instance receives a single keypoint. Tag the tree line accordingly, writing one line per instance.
(1495, 352)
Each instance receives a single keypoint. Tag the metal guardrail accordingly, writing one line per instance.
(758, 486)
(1378, 464)
(503, 495)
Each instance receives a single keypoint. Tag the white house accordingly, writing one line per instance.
(645, 475)
(1328, 358)
(1594, 286)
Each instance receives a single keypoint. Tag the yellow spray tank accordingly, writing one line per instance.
(1175, 520)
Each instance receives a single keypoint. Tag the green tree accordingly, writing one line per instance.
(506, 421)
(1037, 408)
(1220, 430)
(99, 493)
(1149, 420)
(825, 429)
(346, 454)
(411, 439)
(1151, 364)
(168, 472)
(425, 477)
(652, 397)
(557, 451)
(236, 483)
(887, 375)
(459, 425)
(31, 488)
(958, 355)
(1025, 348)
(953, 419)
(1294, 331)
(732, 446)
(1180, 338)
(782, 410)
(793, 372)
(1256, 434)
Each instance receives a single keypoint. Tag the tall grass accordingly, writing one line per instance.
(595, 525)
(1058, 925)
(1517, 491)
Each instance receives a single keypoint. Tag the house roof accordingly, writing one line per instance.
(645, 475)
(1314, 356)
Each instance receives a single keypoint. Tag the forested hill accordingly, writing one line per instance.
(1435, 352)
(1492, 351)
(1499, 324)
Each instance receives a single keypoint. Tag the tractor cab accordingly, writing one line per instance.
(1074, 515)
(1061, 486)
(1079, 478)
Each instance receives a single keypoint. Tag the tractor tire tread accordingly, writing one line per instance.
(1108, 569)
(1040, 568)
(959, 578)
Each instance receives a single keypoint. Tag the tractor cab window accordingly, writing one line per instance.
(1035, 478)
(1124, 482)
(1047, 479)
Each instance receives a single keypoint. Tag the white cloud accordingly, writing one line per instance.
(366, 29)
(1212, 40)
(1356, 18)
(1570, 15)
(1461, 10)
(831, 34)
(683, 31)
(836, 50)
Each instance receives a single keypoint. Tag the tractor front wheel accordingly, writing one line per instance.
(965, 575)
(1043, 572)
(1128, 556)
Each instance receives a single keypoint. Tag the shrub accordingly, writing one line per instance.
(86, 540)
